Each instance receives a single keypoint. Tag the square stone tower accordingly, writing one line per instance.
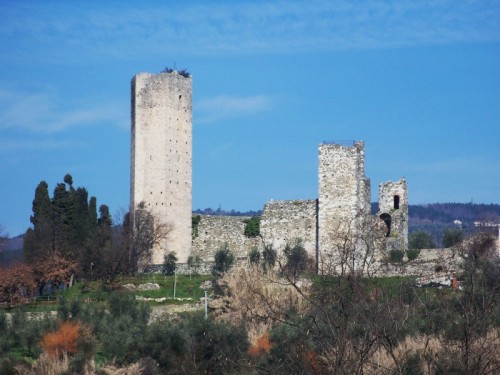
(393, 210)
(343, 206)
(161, 157)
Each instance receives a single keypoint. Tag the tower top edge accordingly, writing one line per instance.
(174, 73)
(343, 143)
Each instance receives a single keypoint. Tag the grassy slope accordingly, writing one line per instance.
(187, 291)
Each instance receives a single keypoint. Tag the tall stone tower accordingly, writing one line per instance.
(161, 157)
(343, 206)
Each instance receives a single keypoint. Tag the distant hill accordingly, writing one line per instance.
(11, 250)
(467, 213)
(434, 218)
(221, 212)
(14, 243)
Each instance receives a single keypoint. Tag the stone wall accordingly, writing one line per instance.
(428, 262)
(284, 222)
(216, 231)
(161, 156)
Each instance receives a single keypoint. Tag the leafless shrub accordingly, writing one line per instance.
(257, 299)
(47, 365)
(146, 232)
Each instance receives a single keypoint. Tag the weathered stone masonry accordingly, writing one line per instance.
(393, 210)
(214, 232)
(344, 201)
(161, 180)
(161, 156)
(284, 222)
(341, 215)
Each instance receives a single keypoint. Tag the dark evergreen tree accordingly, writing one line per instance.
(67, 226)
(92, 223)
(68, 179)
(109, 261)
(39, 240)
(81, 220)
(63, 210)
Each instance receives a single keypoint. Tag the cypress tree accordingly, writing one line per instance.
(105, 262)
(92, 217)
(62, 205)
(40, 239)
(81, 227)
(67, 225)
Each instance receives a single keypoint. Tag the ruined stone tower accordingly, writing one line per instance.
(393, 210)
(343, 206)
(161, 157)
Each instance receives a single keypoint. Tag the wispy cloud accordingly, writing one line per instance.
(245, 28)
(226, 107)
(40, 113)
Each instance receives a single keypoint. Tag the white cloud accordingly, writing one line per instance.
(222, 107)
(245, 28)
(39, 113)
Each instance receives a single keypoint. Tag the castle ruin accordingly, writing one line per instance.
(337, 229)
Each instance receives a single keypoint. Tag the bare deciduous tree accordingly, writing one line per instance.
(352, 245)
(146, 233)
(17, 284)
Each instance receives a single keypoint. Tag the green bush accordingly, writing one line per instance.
(122, 332)
(196, 345)
(223, 260)
(252, 227)
(269, 256)
(254, 256)
(169, 263)
(194, 263)
(420, 240)
(195, 222)
(452, 236)
(412, 254)
(296, 260)
(396, 256)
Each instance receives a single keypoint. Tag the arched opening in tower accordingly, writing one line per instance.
(387, 220)
(396, 202)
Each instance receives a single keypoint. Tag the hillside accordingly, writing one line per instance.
(436, 217)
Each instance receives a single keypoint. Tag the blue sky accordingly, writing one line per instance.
(418, 81)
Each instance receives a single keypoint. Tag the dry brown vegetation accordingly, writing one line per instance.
(257, 299)
(63, 341)
(346, 325)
